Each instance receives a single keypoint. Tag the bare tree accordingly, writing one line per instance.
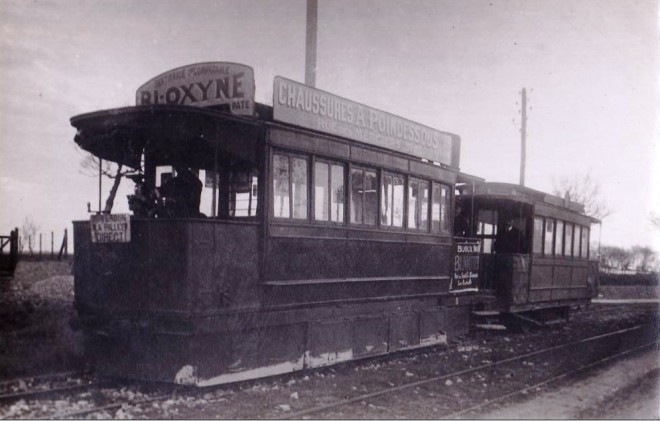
(655, 220)
(90, 166)
(645, 258)
(586, 191)
(27, 234)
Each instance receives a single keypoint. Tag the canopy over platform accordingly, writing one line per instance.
(522, 194)
(168, 134)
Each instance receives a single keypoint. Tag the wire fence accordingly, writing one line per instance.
(49, 245)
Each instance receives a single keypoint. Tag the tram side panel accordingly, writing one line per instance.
(224, 266)
(358, 297)
(120, 279)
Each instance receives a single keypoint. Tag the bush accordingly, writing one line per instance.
(646, 279)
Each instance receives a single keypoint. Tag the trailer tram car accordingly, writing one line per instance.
(534, 254)
(324, 234)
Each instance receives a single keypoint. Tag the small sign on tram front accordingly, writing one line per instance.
(107, 228)
(466, 266)
(202, 85)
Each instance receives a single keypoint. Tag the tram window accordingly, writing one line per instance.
(364, 201)
(576, 241)
(289, 187)
(487, 229)
(440, 208)
(243, 187)
(328, 192)
(538, 236)
(549, 236)
(299, 187)
(559, 238)
(585, 243)
(281, 186)
(568, 240)
(418, 204)
(391, 212)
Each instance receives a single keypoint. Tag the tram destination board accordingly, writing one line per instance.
(110, 228)
(466, 265)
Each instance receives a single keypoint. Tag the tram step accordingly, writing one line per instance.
(490, 326)
(486, 313)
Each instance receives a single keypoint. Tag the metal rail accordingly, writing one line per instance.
(116, 405)
(29, 394)
(27, 379)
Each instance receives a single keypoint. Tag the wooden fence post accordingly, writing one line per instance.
(64, 248)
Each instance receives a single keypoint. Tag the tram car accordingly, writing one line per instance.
(534, 254)
(308, 248)
(269, 239)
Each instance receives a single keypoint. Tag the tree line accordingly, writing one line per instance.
(638, 259)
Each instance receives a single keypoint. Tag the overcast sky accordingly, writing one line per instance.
(589, 66)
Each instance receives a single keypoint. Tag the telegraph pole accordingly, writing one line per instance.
(523, 140)
(310, 45)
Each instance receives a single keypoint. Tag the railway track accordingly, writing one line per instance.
(45, 385)
(331, 410)
(65, 396)
(96, 399)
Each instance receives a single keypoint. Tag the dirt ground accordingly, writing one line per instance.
(35, 308)
(629, 389)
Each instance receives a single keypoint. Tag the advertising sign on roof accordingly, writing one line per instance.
(311, 108)
(202, 85)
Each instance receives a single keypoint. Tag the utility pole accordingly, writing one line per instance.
(310, 45)
(523, 140)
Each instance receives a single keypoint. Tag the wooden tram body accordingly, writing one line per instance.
(548, 270)
(218, 299)
(316, 248)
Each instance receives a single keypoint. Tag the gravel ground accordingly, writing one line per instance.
(37, 305)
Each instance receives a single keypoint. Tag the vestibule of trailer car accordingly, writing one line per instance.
(534, 246)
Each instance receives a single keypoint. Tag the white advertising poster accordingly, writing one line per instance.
(308, 107)
(202, 85)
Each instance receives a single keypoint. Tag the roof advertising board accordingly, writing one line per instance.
(202, 85)
(311, 108)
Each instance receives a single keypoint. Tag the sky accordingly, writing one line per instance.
(589, 67)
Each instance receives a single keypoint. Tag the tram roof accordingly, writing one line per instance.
(177, 133)
(518, 193)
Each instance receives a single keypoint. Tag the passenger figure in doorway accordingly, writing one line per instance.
(182, 193)
(461, 222)
(511, 239)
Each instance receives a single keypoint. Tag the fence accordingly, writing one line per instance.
(37, 245)
(8, 252)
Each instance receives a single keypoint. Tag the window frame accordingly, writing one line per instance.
(585, 244)
(568, 245)
(404, 201)
(551, 252)
(364, 169)
(420, 182)
(450, 202)
(329, 163)
(290, 156)
(540, 240)
(577, 237)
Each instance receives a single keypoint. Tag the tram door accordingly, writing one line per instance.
(503, 229)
